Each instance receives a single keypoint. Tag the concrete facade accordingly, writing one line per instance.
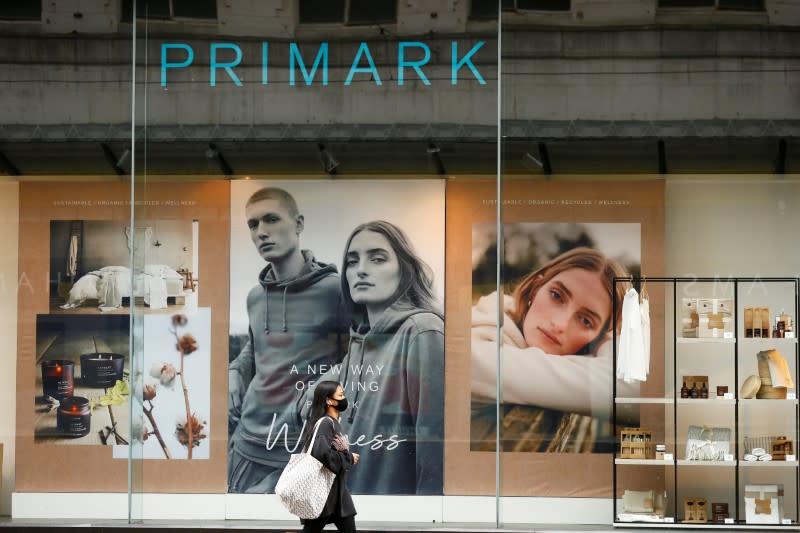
(602, 68)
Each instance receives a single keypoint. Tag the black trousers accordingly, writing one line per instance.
(345, 525)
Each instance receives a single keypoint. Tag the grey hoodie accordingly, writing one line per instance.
(295, 334)
(393, 376)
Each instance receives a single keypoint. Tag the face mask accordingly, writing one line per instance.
(341, 406)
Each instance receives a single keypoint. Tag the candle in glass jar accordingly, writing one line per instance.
(100, 370)
(74, 418)
(58, 378)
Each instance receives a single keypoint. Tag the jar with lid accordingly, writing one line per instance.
(74, 417)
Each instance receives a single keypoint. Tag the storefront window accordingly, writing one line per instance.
(69, 285)
(591, 180)
(313, 176)
(214, 210)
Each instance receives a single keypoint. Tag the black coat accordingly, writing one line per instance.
(339, 503)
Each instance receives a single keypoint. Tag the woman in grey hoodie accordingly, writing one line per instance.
(394, 368)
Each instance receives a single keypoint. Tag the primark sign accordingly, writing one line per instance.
(413, 57)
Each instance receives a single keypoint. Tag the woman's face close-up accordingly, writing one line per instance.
(567, 312)
(372, 269)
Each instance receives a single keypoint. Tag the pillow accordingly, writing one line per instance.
(162, 271)
(153, 270)
(115, 269)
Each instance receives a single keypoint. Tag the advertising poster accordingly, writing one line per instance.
(75, 378)
(91, 263)
(338, 281)
(82, 378)
(556, 333)
(563, 244)
(186, 364)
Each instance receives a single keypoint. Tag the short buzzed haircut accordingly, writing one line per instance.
(274, 193)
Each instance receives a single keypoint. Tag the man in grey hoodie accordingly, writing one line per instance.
(295, 334)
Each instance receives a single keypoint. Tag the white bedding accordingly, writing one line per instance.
(109, 285)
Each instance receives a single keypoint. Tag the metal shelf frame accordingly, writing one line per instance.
(734, 342)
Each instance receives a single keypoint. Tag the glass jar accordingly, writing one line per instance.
(74, 417)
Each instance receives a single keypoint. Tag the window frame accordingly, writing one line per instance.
(346, 18)
(172, 17)
(518, 9)
(25, 20)
(521, 11)
(713, 8)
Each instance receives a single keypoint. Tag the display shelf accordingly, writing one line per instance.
(792, 340)
(705, 340)
(769, 464)
(720, 464)
(666, 521)
(645, 462)
(645, 400)
(706, 401)
(725, 360)
(758, 401)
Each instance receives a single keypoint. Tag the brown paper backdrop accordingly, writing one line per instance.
(57, 468)
(471, 201)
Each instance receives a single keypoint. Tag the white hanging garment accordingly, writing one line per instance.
(644, 311)
(72, 259)
(631, 361)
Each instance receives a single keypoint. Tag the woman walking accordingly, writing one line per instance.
(331, 448)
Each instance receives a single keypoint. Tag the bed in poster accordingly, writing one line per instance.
(90, 261)
(338, 281)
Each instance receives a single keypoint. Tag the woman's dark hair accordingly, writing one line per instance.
(323, 391)
(416, 277)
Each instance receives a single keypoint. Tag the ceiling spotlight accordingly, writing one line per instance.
(530, 161)
(662, 156)
(433, 151)
(329, 163)
(8, 166)
(540, 163)
(123, 158)
(544, 155)
(212, 152)
(118, 164)
(780, 161)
